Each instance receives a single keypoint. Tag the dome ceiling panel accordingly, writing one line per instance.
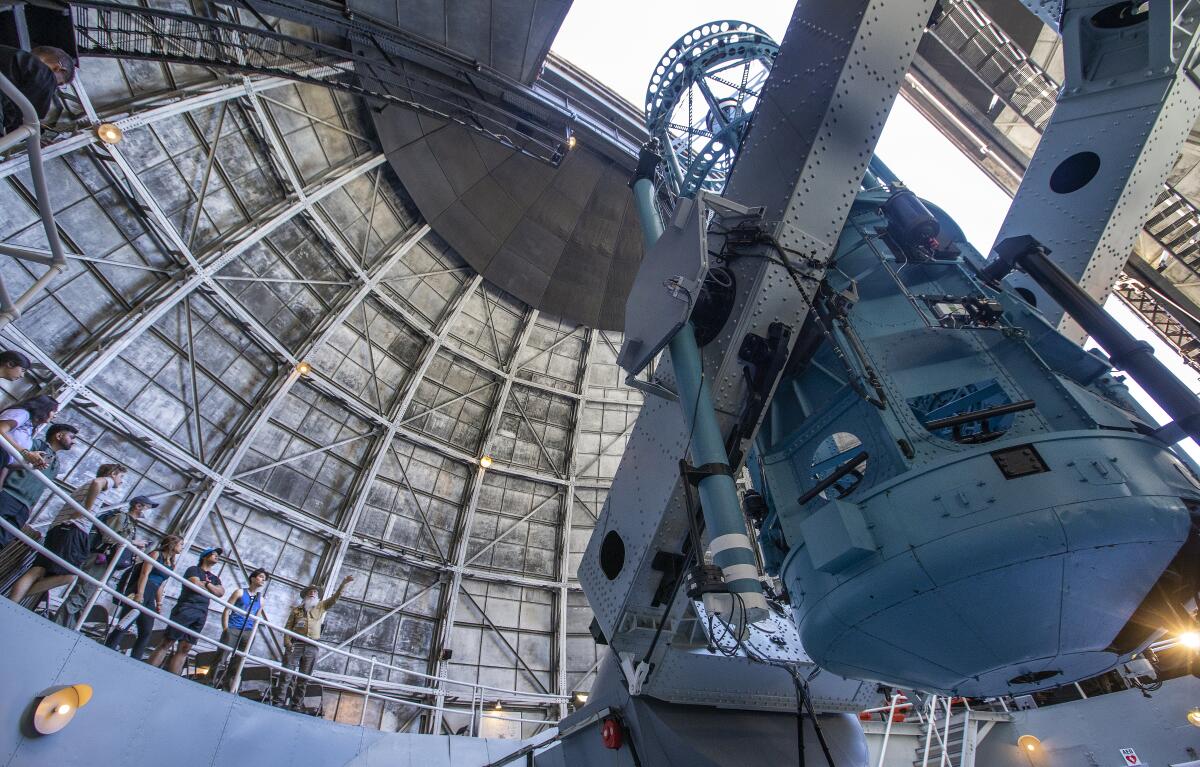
(556, 238)
(310, 249)
(509, 36)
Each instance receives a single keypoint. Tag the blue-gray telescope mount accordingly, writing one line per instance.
(948, 494)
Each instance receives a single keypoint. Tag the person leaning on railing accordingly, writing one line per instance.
(21, 492)
(37, 74)
(68, 533)
(18, 424)
(306, 619)
(144, 583)
(190, 611)
(101, 551)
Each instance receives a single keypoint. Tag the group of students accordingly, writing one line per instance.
(74, 543)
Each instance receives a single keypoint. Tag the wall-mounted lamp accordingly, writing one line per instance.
(56, 707)
(1193, 717)
(1029, 743)
(109, 133)
(579, 698)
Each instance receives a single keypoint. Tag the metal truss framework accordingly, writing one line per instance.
(244, 226)
(1031, 93)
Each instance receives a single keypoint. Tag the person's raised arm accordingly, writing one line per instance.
(332, 599)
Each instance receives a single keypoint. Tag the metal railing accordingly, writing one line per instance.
(30, 131)
(109, 29)
(430, 686)
(985, 49)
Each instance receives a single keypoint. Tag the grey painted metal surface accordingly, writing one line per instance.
(792, 150)
(1126, 107)
(563, 240)
(1092, 732)
(511, 37)
(658, 734)
(141, 715)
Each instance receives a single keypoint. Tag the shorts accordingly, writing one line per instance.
(15, 512)
(193, 617)
(68, 542)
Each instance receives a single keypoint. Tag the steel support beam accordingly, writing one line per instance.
(1126, 107)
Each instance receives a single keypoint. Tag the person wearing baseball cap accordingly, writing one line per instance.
(190, 611)
(101, 548)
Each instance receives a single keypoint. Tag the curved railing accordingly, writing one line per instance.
(477, 695)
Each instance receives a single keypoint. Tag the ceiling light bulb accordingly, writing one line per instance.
(485, 461)
(109, 133)
(1190, 639)
(1193, 717)
(571, 141)
(303, 368)
(1029, 742)
(498, 706)
(62, 709)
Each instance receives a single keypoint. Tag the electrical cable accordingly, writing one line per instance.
(670, 603)
(699, 389)
(802, 693)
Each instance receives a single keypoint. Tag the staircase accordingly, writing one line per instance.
(953, 731)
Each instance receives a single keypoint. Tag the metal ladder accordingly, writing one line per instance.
(953, 731)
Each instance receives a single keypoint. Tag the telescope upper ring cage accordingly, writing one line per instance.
(701, 96)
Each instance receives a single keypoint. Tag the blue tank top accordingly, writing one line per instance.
(154, 581)
(252, 605)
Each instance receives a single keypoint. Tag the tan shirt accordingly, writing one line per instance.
(308, 622)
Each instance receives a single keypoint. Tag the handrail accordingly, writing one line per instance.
(519, 697)
(31, 132)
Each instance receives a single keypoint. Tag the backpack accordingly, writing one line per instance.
(99, 544)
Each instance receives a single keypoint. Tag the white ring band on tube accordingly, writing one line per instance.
(729, 541)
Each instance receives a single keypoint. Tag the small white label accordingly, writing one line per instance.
(1130, 756)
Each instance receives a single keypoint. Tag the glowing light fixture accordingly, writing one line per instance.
(485, 461)
(580, 698)
(303, 368)
(499, 707)
(1190, 639)
(571, 141)
(1029, 743)
(56, 707)
(1193, 717)
(109, 133)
